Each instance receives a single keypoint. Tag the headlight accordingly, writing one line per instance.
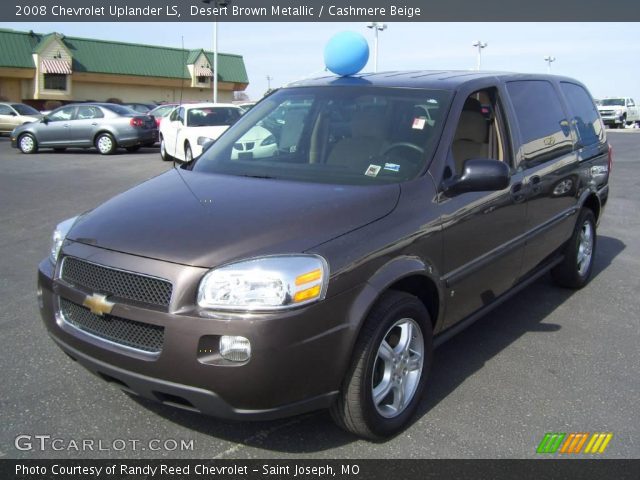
(204, 140)
(59, 234)
(270, 140)
(619, 111)
(267, 283)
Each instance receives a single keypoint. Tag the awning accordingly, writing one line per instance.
(54, 65)
(203, 72)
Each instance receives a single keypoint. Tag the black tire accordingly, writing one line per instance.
(60, 150)
(355, 410)
(574, 272)
(163, 151)
(106, 144)
(188, 153)
(27, 144)
(132, 149)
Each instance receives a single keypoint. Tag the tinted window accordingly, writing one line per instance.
(341, 135)
(543, 124)
(212, 116)
(23, 109)
(612, 102)
(120, 110)
(62, 114)
(5, 110)
(87, 112)
(584, 114)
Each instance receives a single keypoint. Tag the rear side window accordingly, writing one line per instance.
(545, 131)
(584, 115)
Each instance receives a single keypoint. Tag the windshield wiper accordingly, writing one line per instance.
(257, 176)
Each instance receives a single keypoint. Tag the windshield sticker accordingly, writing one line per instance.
(373, 170)
(419, 123)
(392, 167)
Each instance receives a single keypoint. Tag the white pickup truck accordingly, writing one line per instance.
(619, 112)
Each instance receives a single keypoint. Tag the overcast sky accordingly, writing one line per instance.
(605, 56)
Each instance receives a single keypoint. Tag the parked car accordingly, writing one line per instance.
(619, 112)
(323, 275)
(15, 114)
(162, 111)
(140, 107)
(190, 127)
(105, 126)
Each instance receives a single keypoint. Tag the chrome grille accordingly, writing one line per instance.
(118, 283)
(129, 333)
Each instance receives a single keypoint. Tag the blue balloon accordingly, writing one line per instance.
(346, 53)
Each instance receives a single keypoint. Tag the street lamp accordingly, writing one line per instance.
(219, 4)
(549, 59)
(377, 27)
(480, 45)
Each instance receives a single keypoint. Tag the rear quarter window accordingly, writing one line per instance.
(584, 114)
(544, 128)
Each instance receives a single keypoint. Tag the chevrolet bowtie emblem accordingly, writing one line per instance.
(98, 304)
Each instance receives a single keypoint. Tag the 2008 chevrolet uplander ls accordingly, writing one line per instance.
(395, 209)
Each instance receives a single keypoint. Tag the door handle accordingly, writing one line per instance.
(94, 124)
(66, 125)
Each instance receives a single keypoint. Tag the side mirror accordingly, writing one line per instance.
(480, 175)
(45, 119)
(13, 114)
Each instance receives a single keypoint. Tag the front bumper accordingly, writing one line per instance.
(298, 357)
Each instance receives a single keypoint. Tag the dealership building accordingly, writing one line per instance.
(37, 68)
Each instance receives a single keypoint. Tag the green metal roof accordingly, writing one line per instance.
(100, 56)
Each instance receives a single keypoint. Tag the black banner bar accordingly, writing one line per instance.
(600, 469)
(318, 11)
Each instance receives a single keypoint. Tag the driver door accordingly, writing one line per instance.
(57, 129)
(172, 132)
(481, 230)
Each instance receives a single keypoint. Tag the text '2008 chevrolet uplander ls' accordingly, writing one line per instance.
(395, 209)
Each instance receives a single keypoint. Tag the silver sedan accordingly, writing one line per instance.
(105, 126)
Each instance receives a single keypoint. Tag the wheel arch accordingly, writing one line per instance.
(592, 202)
(105, 130)
(406, 274)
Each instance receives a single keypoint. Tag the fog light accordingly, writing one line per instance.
(235, 349)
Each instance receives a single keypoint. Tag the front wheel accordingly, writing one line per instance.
(27, 143)
(574, 271)
(188, 154)
(105, 144)
(390, 365)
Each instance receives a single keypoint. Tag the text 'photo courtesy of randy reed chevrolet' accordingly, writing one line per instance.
(242, 248)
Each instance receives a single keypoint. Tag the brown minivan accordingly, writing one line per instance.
(315, 254)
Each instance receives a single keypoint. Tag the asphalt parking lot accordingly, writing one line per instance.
(548, 360)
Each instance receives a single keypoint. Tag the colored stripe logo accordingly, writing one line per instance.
(574, 443)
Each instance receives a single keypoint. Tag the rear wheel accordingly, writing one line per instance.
(387, 377)
(163, 151)
(575, 269)
(27, 143)
(105, 144)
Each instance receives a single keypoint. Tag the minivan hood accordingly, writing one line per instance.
(206, 220)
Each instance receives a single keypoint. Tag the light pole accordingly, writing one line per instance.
(269, 78)
(218, 4)
(480, 45)
(549, 59)
(377, 27)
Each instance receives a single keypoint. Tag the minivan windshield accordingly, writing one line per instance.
(612, 102)
(350, 135)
